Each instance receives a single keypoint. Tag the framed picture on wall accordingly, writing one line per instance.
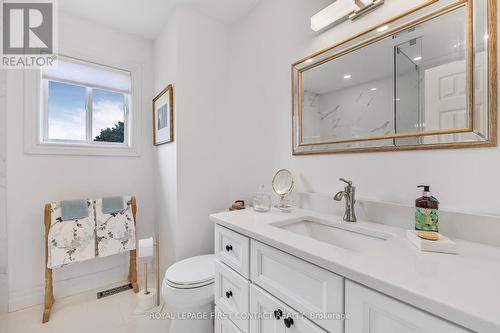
(163, 116)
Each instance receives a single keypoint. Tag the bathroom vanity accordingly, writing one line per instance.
(302, 271)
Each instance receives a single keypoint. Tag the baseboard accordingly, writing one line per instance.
(20, 299)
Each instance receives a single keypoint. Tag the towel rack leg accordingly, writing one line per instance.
(49, 291)
(132, 275)
(49, 295)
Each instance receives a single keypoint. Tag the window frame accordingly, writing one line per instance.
(89, 114)
(36, 114)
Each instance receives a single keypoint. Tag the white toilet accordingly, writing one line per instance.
(188, 293)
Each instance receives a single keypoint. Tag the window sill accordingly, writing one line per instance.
(81, 149)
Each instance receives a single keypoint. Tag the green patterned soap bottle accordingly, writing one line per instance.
(426, 211)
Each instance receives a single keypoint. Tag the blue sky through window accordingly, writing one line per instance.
(67, 111)
(108, 110)
(67, 103)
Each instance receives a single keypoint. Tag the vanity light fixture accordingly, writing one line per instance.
(417, 58)
(383, 28)
(347, 76)
(373, 89)
(342, 10)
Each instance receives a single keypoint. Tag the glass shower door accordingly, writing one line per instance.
(408, 115)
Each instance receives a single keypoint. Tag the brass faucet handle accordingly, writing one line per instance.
(348, 182)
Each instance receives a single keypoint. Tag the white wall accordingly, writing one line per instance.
(201, 91)
(36, 179)
(195, 178)
(3, 221)
(165, 156)
(276, 34)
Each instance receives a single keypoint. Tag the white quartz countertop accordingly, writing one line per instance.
(463, 288)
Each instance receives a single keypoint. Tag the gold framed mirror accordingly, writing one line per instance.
(401, 86)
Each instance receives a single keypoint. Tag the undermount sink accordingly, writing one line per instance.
(348, 236)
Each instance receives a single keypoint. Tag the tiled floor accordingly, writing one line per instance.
(84, 313)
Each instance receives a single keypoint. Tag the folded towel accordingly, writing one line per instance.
(74, 209)
(115, 231)
(70, 241)
(112, 205)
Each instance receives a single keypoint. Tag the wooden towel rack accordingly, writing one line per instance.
(49, 290)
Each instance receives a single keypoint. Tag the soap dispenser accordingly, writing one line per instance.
(426, 211)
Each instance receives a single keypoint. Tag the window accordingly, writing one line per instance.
(85, 104)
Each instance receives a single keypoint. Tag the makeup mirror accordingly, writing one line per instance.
(283, 184)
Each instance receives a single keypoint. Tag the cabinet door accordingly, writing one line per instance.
(372, 312)
(224, 325)
(265, 306)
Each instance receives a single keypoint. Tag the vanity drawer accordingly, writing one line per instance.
(224, 325)
(305, 287)
(267, 321)
(232, 249)
(231, 294)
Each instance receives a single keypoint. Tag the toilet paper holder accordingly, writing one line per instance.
(147, 248)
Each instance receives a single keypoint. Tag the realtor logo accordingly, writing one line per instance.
(28, 33)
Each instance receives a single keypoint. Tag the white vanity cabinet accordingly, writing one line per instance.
(373, 312)
(250, 277)
(261, 289)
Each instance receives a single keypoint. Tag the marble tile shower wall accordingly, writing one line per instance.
(3, 222)
(349, 111)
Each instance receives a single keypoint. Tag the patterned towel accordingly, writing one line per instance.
(115, 231)
(71, 240)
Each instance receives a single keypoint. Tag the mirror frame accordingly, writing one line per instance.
(492, 82)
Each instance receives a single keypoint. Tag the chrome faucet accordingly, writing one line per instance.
(349, 193)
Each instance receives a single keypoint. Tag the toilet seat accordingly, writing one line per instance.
(189, 286)
(191, 273)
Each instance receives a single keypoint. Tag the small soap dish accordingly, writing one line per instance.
(443, 244)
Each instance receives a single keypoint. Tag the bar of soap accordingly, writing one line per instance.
(428, 235)
(443, 244)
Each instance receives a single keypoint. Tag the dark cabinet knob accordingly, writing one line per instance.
(229, 294)
(229, 247)
(288, 322)
(278, 314)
